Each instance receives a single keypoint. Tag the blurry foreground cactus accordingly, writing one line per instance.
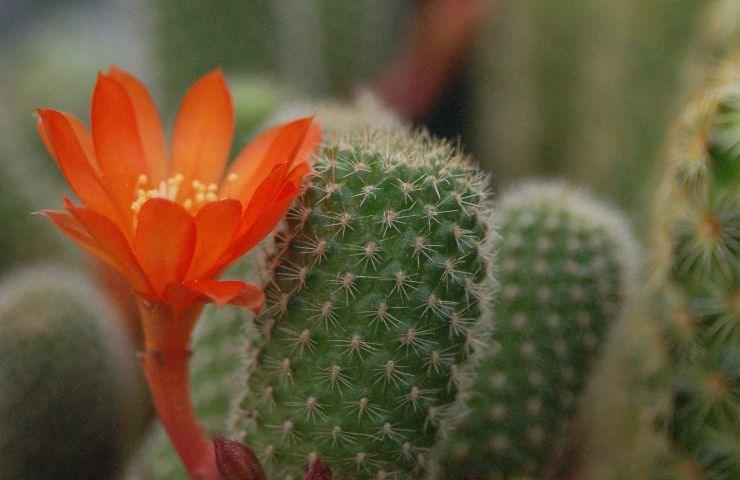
(72, 401)
(373, 312)
(564, 264)
(696, 285)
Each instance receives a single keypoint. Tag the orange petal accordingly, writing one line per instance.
(215, 223)
(230, 292)
(267, 220)
(164, 241)
(70, 147)
(287, 143)
(112, 243)
(203, 132)
(117, 144)
(148, 122)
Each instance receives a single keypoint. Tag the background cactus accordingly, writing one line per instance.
(373, 309)
(72, 401)
(342, 43)
(582, 89)
(565, 264)
(695, 285)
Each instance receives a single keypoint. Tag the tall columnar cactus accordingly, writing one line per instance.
(373, 312)
(343, 42)
(72, 401)
(564, 263)
(696, 283)
(566, 88)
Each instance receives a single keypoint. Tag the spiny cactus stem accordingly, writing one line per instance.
(165, 363)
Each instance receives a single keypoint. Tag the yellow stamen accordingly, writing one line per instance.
(232, 177)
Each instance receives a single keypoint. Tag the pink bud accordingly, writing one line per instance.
(236, 461)
(318, 471)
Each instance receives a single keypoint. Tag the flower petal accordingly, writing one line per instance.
(70, 148)
(117, 143)
(267, 207)
(182, 295)
(215, 223)
(149, 125)
(164, 241)
(288, 143)
(267, 221)
(230, 292)
(112, 243)
(203, 132)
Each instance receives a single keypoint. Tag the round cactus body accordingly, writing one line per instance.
(563, 261)
(72, 400)
(696, 284)
(373, 312)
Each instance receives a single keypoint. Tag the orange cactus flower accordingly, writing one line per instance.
(171, 222)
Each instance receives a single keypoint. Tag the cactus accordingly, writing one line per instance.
(565, 88)
(564, 265)
(72, 401)
(343, 43)
(696, 280)
(338, 117)
(373, 312)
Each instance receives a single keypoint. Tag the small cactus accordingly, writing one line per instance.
(696, 281)
(564, 264)
(72, 401)
(373, 312)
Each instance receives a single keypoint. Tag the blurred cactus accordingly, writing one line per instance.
(583, 89)
(565, 263)
(255, 100)
(373, 311)
(72, 401)
(340, 43)
(337, 117)
(695, 283)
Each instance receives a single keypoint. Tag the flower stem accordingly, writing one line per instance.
(165, 362)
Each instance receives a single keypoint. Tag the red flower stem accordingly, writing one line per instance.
(166, 367)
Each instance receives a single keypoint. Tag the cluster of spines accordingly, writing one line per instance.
(697, 279)
(373, 311)
(72, 400)
(563, 266)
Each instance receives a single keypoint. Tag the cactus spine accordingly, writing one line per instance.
(72, 402)
(697, 280)
(373, 311)
(564, 262)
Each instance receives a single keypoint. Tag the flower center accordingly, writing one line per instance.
(202, 193)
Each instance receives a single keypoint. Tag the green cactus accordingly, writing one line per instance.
(564, 266)
(696, 282)
(72, 400)
(373, 312)
(342, 43)
(567, 88)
